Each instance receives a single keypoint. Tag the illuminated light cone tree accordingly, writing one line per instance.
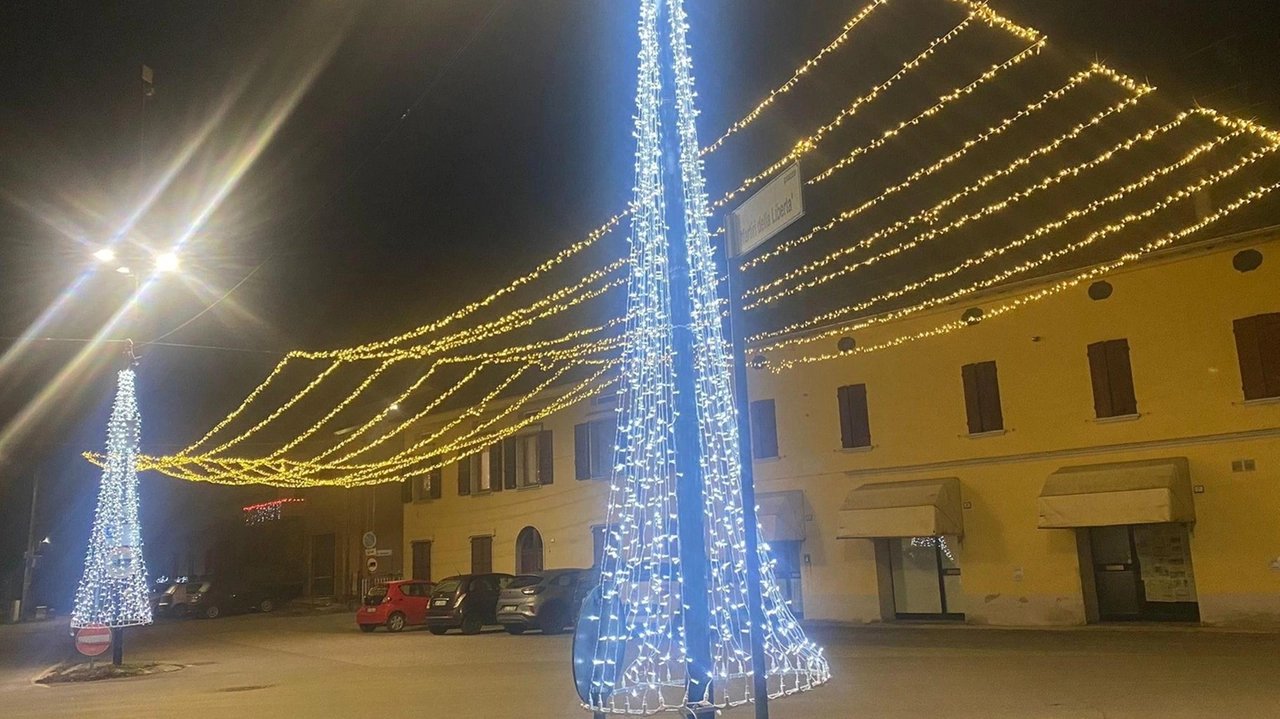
(674, 627)
(113, 589)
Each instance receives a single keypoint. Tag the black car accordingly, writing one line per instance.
(467, 602)
(216, 598)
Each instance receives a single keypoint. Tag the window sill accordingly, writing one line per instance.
(1118, 419)
(1260, 402)
(766, 460)
(856, 450)
(984, 435)
(528, 487)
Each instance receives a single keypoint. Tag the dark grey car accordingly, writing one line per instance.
(546, 600)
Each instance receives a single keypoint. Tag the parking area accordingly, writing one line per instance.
(276, 666)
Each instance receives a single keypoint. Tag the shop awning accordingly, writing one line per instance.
(781, 516)
(920, 508)
(1104, 495)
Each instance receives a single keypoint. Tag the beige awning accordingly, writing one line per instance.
(920, 508)
(781, 516)
(1104, 495)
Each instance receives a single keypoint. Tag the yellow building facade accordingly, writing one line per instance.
(1103, 453)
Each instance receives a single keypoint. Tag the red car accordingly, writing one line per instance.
(395, 605)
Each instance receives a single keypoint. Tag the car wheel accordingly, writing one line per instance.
(471, 625)
(514, 629)
(553, 621)
(212, 611)
(267, 606)
(367, 628)
(396, 622)
(438, 631)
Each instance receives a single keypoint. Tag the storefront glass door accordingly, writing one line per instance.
(925, 574)
(1143, 573)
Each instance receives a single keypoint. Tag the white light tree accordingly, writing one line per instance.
(113, 589)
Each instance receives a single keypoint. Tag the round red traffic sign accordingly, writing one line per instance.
(93, 639)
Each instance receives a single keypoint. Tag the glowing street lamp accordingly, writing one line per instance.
(106, 254)
(167, 262)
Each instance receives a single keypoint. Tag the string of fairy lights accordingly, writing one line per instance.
(534, 369)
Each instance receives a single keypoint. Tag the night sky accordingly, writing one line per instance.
(382, 163)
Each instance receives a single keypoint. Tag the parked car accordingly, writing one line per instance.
(467, 602)
(547, 601)
(173, 600)
(395, 605)
(218, 597)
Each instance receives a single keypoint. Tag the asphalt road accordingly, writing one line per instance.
(269, 667)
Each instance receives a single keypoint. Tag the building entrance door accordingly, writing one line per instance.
(422, 561)
(926, 579)
(323, 555)
(1143, 573)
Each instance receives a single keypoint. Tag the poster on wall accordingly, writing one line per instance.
(1164, 554)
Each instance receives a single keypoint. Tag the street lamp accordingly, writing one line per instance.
(106, 254)
(167, 262)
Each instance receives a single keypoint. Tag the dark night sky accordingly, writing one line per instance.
(362, 220)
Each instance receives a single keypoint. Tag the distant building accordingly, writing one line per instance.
(1107, 453)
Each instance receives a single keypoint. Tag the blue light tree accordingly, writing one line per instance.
(674, 624)
(113, 588)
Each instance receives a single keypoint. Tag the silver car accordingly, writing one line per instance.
(546, 600)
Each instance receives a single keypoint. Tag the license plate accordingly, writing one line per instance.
(371, 610)
(509, 608)
(440, 603)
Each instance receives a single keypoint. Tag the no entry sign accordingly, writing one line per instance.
(93, 639)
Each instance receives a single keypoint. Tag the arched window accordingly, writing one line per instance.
(528, 551)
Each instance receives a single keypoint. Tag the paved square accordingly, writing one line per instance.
(269, 667)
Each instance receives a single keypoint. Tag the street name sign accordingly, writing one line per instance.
(771, 210)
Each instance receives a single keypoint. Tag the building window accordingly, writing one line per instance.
(528, 551)
(481, 555)
(428, 486)
(855, 425)
(593, 444)
(764, 429)
(982, 397)
(1258, 345)
(1112, 375)
(528, 461)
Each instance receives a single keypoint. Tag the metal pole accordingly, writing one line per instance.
(29, 559)
(688, 442)
(117, 645)
(742, 398)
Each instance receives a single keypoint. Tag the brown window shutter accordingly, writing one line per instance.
(764, 429)
(846, 418)
(464, 476)
(1269, 349)
(989, 397)
(1249, 349)
(406, 490)
(498, 467)
(582, 452)
(437, 482)
(972, 407)
(481, 555)
(546, 458)
(1101, 380)
(855, 426)
(1120, 371)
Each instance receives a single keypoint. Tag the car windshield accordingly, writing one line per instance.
(526, 580)
(448, 586)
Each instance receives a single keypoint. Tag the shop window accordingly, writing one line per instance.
(1258, 346)
(855, 425)
(593, 444)
(1112, 376)
(982, 397)
(764, 429)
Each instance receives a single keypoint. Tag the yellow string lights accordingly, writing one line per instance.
(593, 351)
(1055, 288)
(991, 209)
(1179, 196)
